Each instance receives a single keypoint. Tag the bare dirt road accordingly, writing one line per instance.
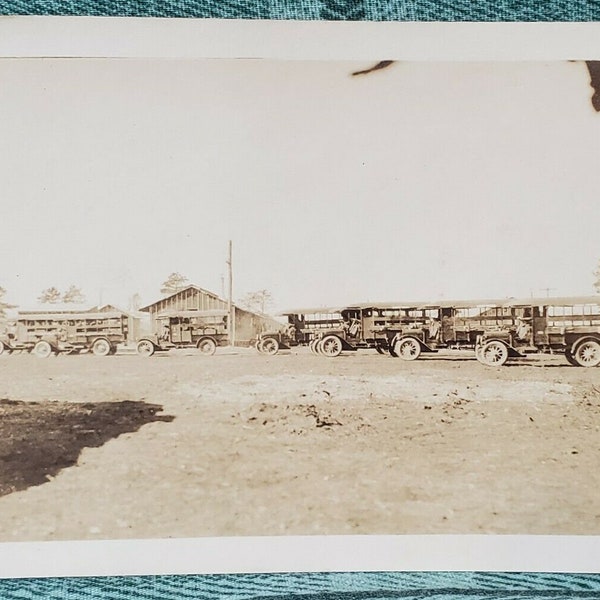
(295, 444)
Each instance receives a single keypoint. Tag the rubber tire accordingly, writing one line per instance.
(101, 347)
(407, 349)
(207, 346)
(494, 353)
(478, 354)
(2, 347)
(145, 348)
(570, 358)
(331, 346)
(270, 346)
(42, 349)
(593, 348)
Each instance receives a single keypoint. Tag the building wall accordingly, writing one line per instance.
(248, 325)
(190, 299)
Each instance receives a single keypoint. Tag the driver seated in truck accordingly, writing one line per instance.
(523, 329)
(354, 327)
(434, 328)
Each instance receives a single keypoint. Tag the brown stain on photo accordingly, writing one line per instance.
(382, 64)
(594, 71)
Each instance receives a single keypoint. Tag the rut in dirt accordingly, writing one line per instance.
(39, 439)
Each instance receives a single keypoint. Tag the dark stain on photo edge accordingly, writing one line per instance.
(382, 64)
(593, 67)
(594, 71)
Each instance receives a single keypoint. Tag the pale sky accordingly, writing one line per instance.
(420, 181)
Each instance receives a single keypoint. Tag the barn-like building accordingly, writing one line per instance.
(248, 325)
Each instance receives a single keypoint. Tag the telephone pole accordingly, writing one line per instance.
(230, 306)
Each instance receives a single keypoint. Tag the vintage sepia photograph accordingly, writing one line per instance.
(267, 297)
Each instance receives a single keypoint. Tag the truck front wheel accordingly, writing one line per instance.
(408, 349)
(588, 354)
(330, 346)
(493, 354)
(270, 346)
(570, 358)
(207, 346)
(42, 349)
(101, 348)
(145, 348)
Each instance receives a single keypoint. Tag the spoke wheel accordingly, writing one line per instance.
(330, 346)
(570, 358)
(312, 346)
(478, 354)
(101, 348)
(207, 346)
(145, 348)
(493, 354)
(42, 349)
(270, 346)
(408, 349)
(588, 354)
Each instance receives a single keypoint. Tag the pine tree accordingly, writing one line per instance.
(73, 295)
(597, 278)
(50, 296)
(258, 301)
(173, 284)
(4, 306)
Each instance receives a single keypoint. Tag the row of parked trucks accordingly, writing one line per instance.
(102, 333)
(495, 330)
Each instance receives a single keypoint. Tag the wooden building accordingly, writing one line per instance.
(248, 325)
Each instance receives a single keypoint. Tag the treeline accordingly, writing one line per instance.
(259, 301)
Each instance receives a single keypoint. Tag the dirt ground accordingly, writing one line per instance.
(295, 444)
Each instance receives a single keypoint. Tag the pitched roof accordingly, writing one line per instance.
(185, 289)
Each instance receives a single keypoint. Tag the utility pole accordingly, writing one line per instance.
(547, 290)
(230, 306)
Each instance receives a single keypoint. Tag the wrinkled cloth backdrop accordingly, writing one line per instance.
(350, 10)
(312, 586)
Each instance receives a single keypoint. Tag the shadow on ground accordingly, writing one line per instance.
(38, 439)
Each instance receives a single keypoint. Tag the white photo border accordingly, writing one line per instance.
(111, 37)
(83, 37)
(283, 554)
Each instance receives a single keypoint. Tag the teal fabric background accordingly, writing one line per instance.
(350, 10)
(312, 586)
